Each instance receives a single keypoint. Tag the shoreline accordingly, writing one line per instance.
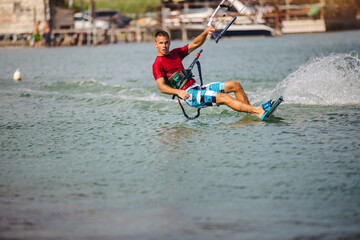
(23, 45)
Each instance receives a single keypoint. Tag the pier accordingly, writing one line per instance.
(96, 37)
(82, 37)
(16, 28)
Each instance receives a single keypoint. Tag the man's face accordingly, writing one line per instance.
(162, 44)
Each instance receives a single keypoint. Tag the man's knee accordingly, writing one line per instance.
(222, 98)
(233, 86)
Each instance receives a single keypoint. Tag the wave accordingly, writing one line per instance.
(91, 90)
(326, 80)
(87, 86)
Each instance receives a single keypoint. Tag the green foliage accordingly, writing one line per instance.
(125, 6)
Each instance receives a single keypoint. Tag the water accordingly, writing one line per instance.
(90, 149)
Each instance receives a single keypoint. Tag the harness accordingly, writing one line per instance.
(197, 62)
(179, 79)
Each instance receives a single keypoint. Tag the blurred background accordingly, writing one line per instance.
(94, 22)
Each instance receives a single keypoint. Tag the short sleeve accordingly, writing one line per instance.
(183, 52)
(157, 72)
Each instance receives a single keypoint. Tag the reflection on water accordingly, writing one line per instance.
(171, 137)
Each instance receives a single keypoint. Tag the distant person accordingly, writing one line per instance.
(47, 33)
(169, 62)
(36, 35)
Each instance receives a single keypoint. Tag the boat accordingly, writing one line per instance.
(191, 22)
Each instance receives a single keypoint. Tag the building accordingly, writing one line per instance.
(291, 16)
(19, 16)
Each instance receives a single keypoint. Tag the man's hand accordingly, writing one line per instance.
(183, 94)
(169, 90)
(209, 30)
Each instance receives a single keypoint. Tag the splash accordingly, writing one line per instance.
(327, 80)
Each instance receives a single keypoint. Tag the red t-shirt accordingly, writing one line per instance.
(165, 66)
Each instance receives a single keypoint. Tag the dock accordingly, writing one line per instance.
(96, 37)
(83, 37)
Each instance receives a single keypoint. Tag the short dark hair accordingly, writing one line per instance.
(162, 33)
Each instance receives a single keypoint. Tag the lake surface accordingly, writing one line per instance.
(90, 149)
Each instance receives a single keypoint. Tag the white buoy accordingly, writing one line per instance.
(17, 75)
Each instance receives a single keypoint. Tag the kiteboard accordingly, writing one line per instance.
(270, 108)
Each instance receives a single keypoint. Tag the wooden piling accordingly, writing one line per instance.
(184, 35)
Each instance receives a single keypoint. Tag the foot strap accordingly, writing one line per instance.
(266, 106)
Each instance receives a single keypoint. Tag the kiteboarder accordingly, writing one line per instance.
(168, 64)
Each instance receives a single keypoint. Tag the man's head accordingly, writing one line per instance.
(162, 43)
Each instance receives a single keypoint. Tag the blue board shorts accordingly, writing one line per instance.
(204, 96)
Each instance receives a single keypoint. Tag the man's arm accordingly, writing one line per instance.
(169, 90)
(199, 40)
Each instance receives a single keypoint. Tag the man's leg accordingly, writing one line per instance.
(235, 87)
(224, 98)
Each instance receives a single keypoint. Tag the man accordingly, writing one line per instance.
(169, 62)
(36, 34)
(47, 33)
